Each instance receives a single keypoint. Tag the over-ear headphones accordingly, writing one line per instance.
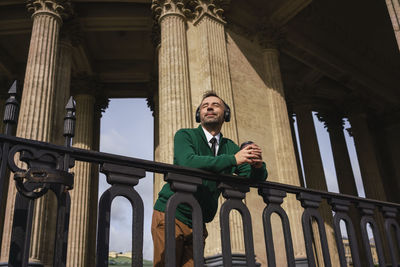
(227, 113)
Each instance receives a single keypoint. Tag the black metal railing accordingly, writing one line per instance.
(48, 169)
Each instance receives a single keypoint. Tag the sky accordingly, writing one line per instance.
(127, 128)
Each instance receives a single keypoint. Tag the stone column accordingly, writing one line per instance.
(394, 12)
(94, 185)
(174, 89)
(369, 168)
(212, 74)
(315, 176)
(36, 113)
(334, 123)
(63, 82)
(3, 98)
(295, 145)
(283, 141)
(312, 162)
(392, 148)
(371, 176)
(84, 194)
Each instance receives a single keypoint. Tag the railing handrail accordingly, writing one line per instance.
(159, 167)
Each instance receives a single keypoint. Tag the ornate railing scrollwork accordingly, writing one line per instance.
(42, 176)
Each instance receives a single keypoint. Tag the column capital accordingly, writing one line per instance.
(163, 8)
(153, 87)
(211, 8)
(86, 85)
(332, 120)
(60, 9)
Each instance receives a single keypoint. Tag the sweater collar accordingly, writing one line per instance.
(203, 136)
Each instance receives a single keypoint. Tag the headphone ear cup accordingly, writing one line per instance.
(227, 113)
(198, 115)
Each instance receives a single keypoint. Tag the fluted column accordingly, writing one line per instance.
(94, 186)
(80, 196)
(284, 150)
(393, 7)
(334, 123)
(3, 89)
(315, 176)
(392, 146)
(213, 75)
(63, 83)
(213, 58)
(3, 99)
(295, 145)
(370, 174)
(174, 90)
(312, 162)
(36, 114)
(368, 163)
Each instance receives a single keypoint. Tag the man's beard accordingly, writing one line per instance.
(212, 123)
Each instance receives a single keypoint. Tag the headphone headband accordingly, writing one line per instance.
(227, 112)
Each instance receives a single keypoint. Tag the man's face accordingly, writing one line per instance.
(212, 111)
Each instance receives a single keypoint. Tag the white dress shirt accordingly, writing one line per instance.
(209, 137)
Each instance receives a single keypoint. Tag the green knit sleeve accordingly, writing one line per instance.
(184, 155)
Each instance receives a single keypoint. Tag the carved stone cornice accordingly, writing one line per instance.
(163, 8)
(212, 8)
(60, 9)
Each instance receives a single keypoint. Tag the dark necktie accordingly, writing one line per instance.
(213, 142)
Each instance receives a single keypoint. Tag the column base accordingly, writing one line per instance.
(31, 264)
(301, 262)
(238, 260)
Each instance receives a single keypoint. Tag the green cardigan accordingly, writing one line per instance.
(191, 149)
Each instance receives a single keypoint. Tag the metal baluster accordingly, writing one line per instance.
(310, 203)
(390, 215)
(63, 196)
(10, 120)
(21, 230)
(184, 188)
(341, 208)
(234, 195)
(367, 211)
(274, 198)
(123, 179)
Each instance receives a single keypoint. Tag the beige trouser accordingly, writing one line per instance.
(183, 237)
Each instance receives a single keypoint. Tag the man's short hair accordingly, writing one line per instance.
(211, 93)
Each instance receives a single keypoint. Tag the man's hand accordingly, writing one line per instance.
(251, 154)
(257, 159)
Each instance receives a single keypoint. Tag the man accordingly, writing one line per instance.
(206, 149)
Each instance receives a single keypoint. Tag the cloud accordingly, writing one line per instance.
(130, 135)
